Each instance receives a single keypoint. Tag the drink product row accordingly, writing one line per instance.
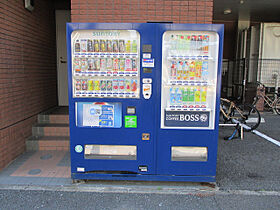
(102, 45)
(107, 87)
(188, 70)
(90, 64)
(188, 97)
(190, 44)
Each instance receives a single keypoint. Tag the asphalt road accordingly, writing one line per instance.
(252, 163)
(26, 199)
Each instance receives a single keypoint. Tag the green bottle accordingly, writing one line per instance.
(134, 46)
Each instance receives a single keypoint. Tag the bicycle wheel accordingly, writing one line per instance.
(224, 105)
(248, 115)
(277, 106)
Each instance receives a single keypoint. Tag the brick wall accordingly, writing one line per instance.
(184, 11)
(27, 71)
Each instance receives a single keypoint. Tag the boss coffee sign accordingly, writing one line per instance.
(186, 119)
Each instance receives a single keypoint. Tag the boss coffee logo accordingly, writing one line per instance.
(186, 119)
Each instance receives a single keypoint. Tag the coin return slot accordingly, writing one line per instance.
(189, 153)
(111, 152)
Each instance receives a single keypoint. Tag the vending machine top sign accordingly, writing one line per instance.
(189, 79)
(105, 63)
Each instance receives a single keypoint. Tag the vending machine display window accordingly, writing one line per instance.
(189, 79)
(98, 114)
(105, 63)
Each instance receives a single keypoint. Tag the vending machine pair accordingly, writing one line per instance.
(143, 100)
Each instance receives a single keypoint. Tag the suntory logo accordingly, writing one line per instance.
(106, 33)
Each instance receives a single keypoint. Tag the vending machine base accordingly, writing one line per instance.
(140, 177)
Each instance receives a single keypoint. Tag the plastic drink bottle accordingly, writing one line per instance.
(191, 97)
(115, 85)
(192, 70)
(134, 64)
(172, 96)
(96, 45)
(109, 46)
(109, 64)
(102, 64)
(109, 85)
(77, 46)
(128, 46)
(128, 64)
(96, 85)
(102, 46)
(178, 96)
(185, 96)
(204, 73)
(204, 95)
(197, 95)
(89, 45)
(134, 46)
(133, 85)
(179, 70)
(173, 69)
(121, 46)
(122, 64)
(121, 85)
(198, 67)
(173, 42)
(127, 85)
(90, 85)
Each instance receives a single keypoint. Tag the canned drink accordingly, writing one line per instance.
(127, 85)
(128, 64)
(102, 64)
(173, 69)
(96, 45)
(122, 64)
(133, 85)
(97, 64)
(83, 45)
(77, 64)
(121, 46)
(134, 64)
(109, 64)
(102, 46)
(77, 46)
(115, 44)
(78, 85)
(96, 85)
(115, 64)
(90, 64)
(103, 85)
(90, 84)
(121, 85)
(115, 85)
(84, 85)
(109, 85)
(109, 46)
(89, 45)
(84, 65)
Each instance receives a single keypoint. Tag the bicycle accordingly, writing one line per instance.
(243, 113)
(274, 104)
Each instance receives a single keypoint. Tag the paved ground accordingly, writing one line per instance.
(125, 201)
(248, 177)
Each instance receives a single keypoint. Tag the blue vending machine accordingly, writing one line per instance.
(143, 100)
